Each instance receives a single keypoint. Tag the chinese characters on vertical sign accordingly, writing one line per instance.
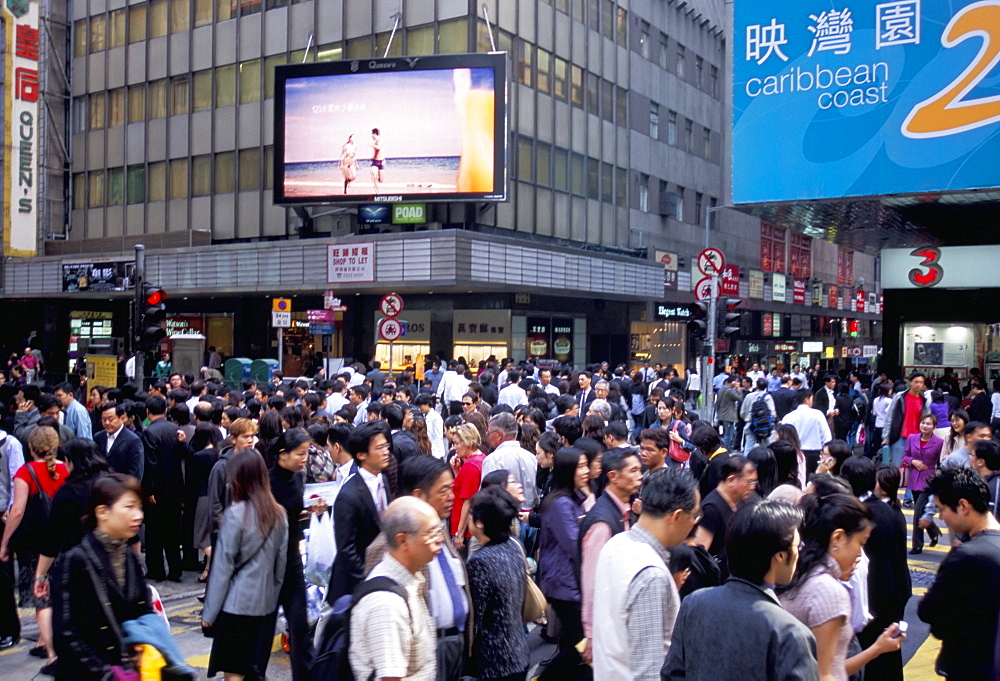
(22, 50)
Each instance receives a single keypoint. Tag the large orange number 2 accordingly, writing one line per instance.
(947, 113)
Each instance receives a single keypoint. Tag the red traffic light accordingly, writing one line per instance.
(155, 296)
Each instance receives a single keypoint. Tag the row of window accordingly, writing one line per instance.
(672, 203)
(551, 166)
(687, 141)
(204, 175)
(709, 82)
(157, 18)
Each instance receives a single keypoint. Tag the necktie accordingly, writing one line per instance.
(380, 501)
(454, 593)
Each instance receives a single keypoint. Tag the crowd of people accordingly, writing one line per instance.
(765, 540)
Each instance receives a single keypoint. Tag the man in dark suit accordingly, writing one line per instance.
(784, 398)
(825, 400)
(376, 376)
(121, 447)
(400, 418)
(586, 394)
(163, 485)
(359, 506)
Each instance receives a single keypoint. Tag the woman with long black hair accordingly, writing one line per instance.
(559, 559)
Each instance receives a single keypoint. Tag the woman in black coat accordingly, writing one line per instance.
(98, 585)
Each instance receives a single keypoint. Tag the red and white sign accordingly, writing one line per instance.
(859, 301)
(391, 304)
(854, 351)
(711, 261)
(390, 329)
(350, 263)
(799, 291)
(704, 290)
(730, 280)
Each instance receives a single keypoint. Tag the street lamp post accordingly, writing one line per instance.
(708, 350)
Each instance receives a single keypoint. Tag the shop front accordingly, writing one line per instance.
(550, 339)
(479, 334)
(91, 329)
(217, 329)
(412, 347)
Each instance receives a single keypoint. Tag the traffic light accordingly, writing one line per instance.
(152, 311)
(729, 317)
(698, 323)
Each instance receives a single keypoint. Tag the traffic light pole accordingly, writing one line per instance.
(708, 355)
(140, 280)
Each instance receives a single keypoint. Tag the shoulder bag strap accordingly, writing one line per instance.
(102, 596)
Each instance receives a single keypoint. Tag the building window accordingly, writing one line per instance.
(157, 18)
(157, 99)
(178, 183)
(576, 174)
(714, 81)
(158, 181)
(116, 186)
(225, 85)
(135, 184)
(662, 197)
(381, 41)
(561, 81)
(643, 192)
(654, 120)
(116, 107)
(680, 61)
(95, 189)
(268, 167)
(577, 9)
(420, 40)
(524, 165)
(608, 18)
(680, 203)
(621, 187)
(136, 23)
(180, 15)
(699, 67)
(576, 85)
(607, 99)
(525, 62)
(593, 16)
(644, 40)
(543, 164)
(136, 103)
(250, 81)
(79, 191)
(97, 33)
(689, 135)
(621, 27)
(593, 94)
(180, 95)
(225, 10)
(202, 90)
(607, 183)
(563, 6)
(96, 104)
(80, 38)
(202, 12)
(544, 71)
(707, 141)
(79, 114)
(593, 179)
(225, 172)
(116, 30)
(560, 167)
(698, 200)
(453, 36)
(250, 170)
(201, 175)
(663, 51)
(621, 106)
(672, 128)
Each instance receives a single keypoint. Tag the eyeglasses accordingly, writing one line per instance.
(430, 536)
(466, 404)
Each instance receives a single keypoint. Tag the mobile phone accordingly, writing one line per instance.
(903, 626)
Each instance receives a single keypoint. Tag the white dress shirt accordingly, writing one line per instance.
(112, 437)
(512, 396)
(811, 425)
(377, 487)
(440, 598)
(435, 433)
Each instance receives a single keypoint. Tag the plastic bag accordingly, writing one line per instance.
(320, 549)
(157, 603)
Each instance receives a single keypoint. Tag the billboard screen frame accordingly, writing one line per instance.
(494, 60)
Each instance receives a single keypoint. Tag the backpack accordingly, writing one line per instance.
(761, 420)
(332, 662)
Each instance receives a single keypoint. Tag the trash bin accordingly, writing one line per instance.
(235, 370)
(263, 370)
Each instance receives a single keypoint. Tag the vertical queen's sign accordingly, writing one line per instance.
(21, 52)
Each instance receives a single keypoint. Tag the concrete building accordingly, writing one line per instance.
(616, 158)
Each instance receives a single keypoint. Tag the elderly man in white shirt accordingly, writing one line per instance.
(812, 428)
(510, 456)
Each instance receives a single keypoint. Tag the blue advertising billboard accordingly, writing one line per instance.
(848, 98)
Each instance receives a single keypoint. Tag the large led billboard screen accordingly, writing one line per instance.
(864, 98)
(385, 130)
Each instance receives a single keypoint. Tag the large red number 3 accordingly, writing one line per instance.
(933, 273)
(947, 112)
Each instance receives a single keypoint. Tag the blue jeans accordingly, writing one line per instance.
(728, 434)
(896, 451)
(750, 440)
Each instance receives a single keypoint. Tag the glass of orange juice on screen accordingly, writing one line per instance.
(474, 103)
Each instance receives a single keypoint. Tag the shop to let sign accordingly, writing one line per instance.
(350, 263)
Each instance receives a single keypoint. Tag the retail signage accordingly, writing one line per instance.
(869, 351)
(321, 329)
(828, 353)
(562, 338)
(319, 316)
(941, 267)
(786, 347)
(730, 284)
(177, 326)
(350, 263)
(832, 299)
(812, 346)
(667, 312)
(778, 287)
(481, 326)
(756, 284)
(799, 291)
(752, 347)
(21, 56)
(102, 370)
(854, 351)
(817, 294)
(669, 261)
(539, 337)
(409, 213)
(863, 98)
(767, 323)
(374, 214)
(98, 276)
(859, 301)
(776, 329)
